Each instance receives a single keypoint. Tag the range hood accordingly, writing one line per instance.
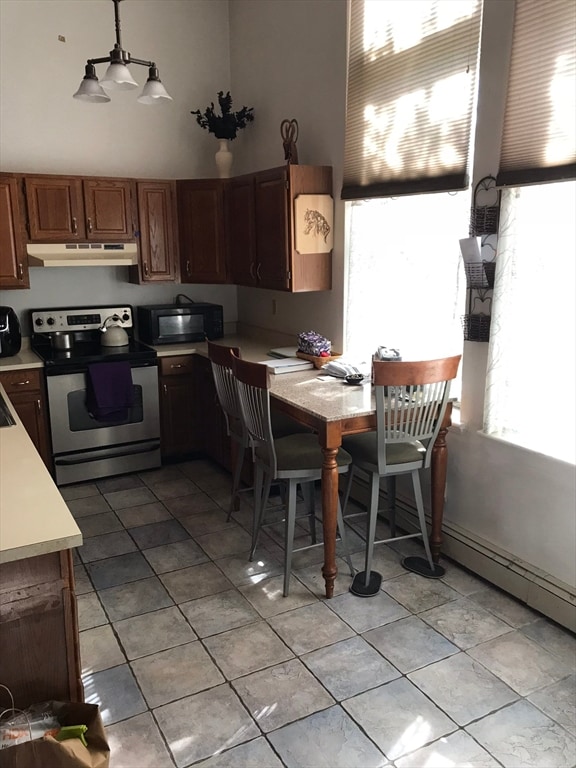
(82, 254)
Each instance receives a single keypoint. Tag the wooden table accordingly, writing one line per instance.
(335, 409)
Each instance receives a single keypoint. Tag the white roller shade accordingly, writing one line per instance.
(539, 139)
(411, 93)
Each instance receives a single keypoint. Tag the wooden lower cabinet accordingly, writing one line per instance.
(180, 431)
(26, 391)
(191, 419)
(39, 642)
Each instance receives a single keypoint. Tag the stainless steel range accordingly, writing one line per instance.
(91, 356)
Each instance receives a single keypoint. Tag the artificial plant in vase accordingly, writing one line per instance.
(227, 124)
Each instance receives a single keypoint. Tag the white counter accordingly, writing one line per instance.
(34, 518)
(252, 349)
(24, 359)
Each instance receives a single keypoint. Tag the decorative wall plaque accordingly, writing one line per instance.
(314, 223)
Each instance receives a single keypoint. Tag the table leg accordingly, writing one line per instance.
(329, 516)
(438, 471)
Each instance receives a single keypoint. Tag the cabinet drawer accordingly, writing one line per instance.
(28, 380)
(179, 365)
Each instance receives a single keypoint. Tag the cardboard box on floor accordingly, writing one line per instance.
(70, 753)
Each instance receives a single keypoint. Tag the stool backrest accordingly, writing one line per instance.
(253, 381)
(225, 382)
(411, 400)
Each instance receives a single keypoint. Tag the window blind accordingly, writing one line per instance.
(410, 96)
(539, 137)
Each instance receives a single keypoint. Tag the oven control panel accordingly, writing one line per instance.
(80, 318)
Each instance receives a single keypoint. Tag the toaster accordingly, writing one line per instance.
(10, 333)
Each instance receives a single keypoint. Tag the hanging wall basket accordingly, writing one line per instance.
(485, 211)
(476, 325)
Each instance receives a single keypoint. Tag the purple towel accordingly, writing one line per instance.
(109, 391)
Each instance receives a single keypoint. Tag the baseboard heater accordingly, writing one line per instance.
(535, 588)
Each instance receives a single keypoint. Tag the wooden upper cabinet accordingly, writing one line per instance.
(108, 209)
(285, 259)
(13, 259)
(272, 229)
(158, 259)
(55, 208)
(201, 231)
(240, 230)
(65, 209)
(268, 245)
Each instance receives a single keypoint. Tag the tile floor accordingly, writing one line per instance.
(196, 658)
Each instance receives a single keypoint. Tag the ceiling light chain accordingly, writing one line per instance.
(118, 76)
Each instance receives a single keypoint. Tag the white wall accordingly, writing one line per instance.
(44, 130)
(289, 59)
(293, 55)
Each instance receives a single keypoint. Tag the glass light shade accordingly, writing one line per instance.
(91, 91)
(154, 93)
(118, 78)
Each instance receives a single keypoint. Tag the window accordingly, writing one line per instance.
(531, 378)
(406, 285)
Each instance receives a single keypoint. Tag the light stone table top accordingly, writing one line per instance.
(329, 398)
(34, 518)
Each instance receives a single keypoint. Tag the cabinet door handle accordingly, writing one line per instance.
(20, 271)
(89, 222)
(22, 383)
(188, 268)
(146, 268)
(252, 274)
(176, 365)
(38, 406)
(74, 226)
(165, 388)
(258, 271)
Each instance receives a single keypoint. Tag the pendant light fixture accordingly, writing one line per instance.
(118, 77)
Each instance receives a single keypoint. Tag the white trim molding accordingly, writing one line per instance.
(535, 588)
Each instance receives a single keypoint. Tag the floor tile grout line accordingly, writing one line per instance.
(266, 620)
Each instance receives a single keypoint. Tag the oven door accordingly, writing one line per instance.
(85, 448)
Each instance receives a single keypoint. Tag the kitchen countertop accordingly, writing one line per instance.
(253, 350)
(24, 359)
(34, 518)
(328, 397)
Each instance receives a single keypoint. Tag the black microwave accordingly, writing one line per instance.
(177, 324)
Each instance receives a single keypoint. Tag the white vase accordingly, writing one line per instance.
(224, 159)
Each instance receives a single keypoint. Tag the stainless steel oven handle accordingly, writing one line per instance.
(84, 460)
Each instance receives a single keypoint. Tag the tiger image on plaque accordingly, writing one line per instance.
(314, 223)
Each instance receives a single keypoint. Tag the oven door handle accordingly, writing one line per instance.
(130, 451)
